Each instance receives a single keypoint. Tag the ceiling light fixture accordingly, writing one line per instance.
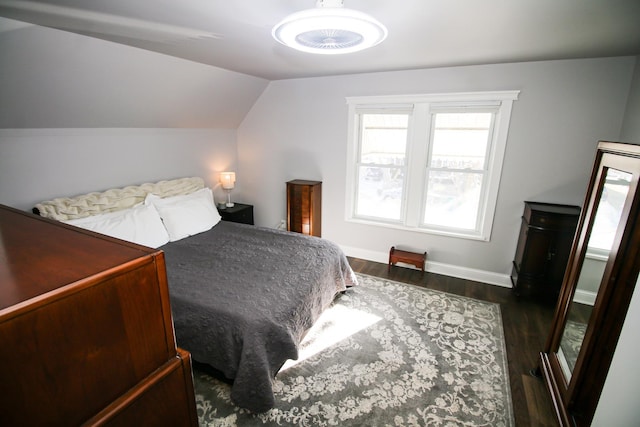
(330, 28)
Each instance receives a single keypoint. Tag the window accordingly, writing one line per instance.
(428, 163)
(382, 165)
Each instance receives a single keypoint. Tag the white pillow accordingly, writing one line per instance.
(140, 224)
(186, 215)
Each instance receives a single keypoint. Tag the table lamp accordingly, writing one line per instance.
(228, 179)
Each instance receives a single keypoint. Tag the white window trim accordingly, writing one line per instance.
(423, 105)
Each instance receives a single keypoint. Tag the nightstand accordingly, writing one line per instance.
(239, 212)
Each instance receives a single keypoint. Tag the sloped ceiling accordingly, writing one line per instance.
(56, 79)
(236, 34)
(204, 63)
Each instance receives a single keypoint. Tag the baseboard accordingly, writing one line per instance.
(585, 297)
(488, 277)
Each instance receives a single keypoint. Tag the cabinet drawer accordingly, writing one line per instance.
(239, 213)
(559, 218)
(164, 398)
(244, 217)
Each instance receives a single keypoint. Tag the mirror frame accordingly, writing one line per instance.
(575, 399)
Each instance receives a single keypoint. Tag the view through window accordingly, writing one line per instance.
(457, 168)
(431, 165)
(381, 168)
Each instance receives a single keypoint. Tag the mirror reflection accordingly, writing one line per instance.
(605, 225)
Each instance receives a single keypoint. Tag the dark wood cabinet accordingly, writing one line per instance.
(544, 244)
(304, 200)
(86, 326)
(239, 212)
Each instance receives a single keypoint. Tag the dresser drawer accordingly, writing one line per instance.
(557, 218)
(164, 398)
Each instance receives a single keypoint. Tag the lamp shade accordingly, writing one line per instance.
(228, 180)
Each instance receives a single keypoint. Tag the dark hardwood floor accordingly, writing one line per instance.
(526, 326)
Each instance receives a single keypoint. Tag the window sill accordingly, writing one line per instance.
(397, 226)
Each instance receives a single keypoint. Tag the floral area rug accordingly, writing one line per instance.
(571, 341)
(385, 354)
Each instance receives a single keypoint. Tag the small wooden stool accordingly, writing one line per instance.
(414, 258)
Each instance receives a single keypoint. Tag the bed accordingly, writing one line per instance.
(242, 297)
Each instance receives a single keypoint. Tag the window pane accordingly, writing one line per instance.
(384, 139)
(383, 146)
(453, 199)
(379, 192)
(460, 140)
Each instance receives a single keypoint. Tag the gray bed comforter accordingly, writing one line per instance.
(242, 298)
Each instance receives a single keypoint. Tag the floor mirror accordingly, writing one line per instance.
(597, 287)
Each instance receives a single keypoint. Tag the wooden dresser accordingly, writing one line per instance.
(86, 330)
(304, 203)
(542, 254)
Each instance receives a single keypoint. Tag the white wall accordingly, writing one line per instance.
(297, 129)
(40, 164)
(80, 114)
(631, 124)
(618, 405)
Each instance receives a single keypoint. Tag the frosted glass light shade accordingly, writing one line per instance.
(329, 30)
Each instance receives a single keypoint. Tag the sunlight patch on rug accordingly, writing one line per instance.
(334, 325)
(415, 357)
